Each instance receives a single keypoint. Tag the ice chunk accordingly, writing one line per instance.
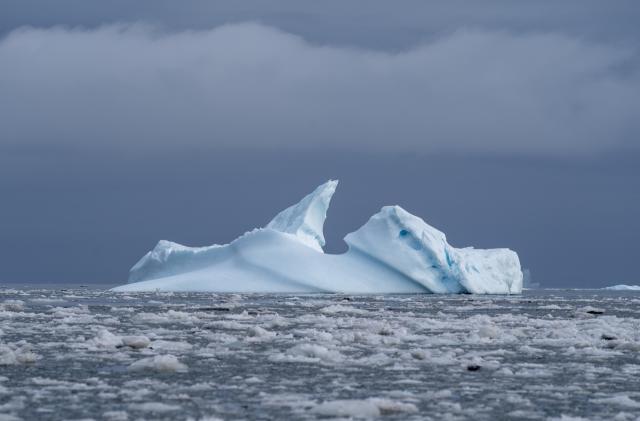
(18, 353)
(12, 305)
(619, 400)
(624, 288)
(314, 353)
(106, 339)
(257, 332)
(136, 342)
(394, 252)
(362, 408)
(305, 220)
(154, 407)
(164, 363)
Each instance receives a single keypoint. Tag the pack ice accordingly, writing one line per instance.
(394, 252)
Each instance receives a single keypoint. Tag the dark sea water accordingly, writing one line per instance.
(86, 353)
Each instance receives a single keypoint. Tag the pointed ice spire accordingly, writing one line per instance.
(306, 218)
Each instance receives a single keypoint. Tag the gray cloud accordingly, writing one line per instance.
(138, 88)
(112, 137)
(376, 24)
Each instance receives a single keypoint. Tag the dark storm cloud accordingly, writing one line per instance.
(248, 85)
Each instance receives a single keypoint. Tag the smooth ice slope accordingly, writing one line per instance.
(394, 252)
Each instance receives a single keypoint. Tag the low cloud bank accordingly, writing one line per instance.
(138, 88)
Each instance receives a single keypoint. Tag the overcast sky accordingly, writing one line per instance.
(503, 123)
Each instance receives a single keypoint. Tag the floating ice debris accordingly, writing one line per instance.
(291, 357)
(624, 288)
(19, 353)
(136, 342)
(154, 407)
(362, 408)
(106, 339)
(164, 363)
(619, 400)
(310, 353)
(12, 305)
(257, 332)
(394, 252)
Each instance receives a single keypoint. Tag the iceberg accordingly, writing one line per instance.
(393, 252)
(623, 287)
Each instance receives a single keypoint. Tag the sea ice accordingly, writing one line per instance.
(19, 353)
(323, 356)
(394, 252)
(12, 305)
(164, 363)
(362, 408)
(154, 407)
(136, 342)
(310, 353)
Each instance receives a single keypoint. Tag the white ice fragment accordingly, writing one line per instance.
(347, 408)
(623, 287)
(362, 408)
(136, 342)
(154, 407)
(12, 305)
(420, 354)
(619, 400)
(338, 308)
(312, 353)
(115, 415)
(106, 339)
(17, 353)
(488, 331)
(171, 346)
(162, 363)
(257, 332)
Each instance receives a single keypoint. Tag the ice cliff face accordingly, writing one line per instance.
(400, 240)
(405, 242)
(305, 219)
(394, 252)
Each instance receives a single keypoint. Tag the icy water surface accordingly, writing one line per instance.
(89, 354)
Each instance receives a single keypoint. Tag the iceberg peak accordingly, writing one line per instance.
(407, 243)
(305, 219)
(420, 252)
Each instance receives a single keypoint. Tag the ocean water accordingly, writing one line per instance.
(86, 353)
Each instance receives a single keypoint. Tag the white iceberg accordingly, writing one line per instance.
(394, 252)
(623, 288)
